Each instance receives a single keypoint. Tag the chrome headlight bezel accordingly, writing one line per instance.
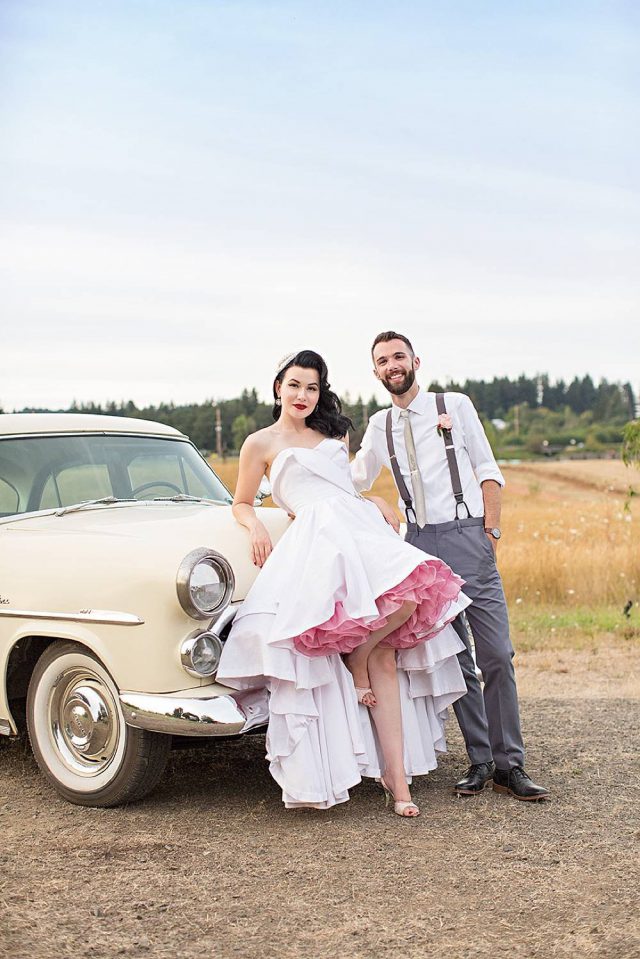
(192, 560)
(188, 648)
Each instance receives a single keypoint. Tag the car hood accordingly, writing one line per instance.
(140, 542)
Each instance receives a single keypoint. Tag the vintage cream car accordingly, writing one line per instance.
(121, 569)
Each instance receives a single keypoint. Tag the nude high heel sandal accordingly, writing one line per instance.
(403, 809)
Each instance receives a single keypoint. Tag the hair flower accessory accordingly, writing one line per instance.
(444, 423)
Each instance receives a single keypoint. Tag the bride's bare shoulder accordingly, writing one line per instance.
(260, 443)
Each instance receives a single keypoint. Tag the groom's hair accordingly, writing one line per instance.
(391, 335)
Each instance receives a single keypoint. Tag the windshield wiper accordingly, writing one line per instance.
(103, 501)
(184, 498)
(112, 500)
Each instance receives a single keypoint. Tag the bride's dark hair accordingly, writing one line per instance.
(327, 417)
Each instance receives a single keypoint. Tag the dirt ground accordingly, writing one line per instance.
(212, 865)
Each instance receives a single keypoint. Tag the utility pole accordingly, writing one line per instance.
(218, 432)
(516, 424)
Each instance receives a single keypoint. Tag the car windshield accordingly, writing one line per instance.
(49, 472)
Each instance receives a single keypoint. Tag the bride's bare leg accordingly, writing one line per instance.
(356, 662)
(387, 717)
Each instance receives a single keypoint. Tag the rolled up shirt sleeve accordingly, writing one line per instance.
(366, 464)
(480, 452)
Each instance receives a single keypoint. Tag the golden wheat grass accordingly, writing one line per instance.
(568, 539)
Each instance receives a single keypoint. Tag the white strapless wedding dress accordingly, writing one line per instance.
(337, 571)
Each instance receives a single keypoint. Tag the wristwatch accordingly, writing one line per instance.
(493, 531)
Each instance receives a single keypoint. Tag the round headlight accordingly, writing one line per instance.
(205, 583)
(200, 654)
(206, 586)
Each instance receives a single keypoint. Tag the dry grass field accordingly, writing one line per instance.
(570, 553)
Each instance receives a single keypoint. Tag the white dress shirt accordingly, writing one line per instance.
(476, 461)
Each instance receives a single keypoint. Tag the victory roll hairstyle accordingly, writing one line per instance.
(327, 418)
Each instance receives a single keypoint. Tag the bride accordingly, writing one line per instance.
(346, 625)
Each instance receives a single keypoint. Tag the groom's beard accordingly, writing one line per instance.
(401, 386)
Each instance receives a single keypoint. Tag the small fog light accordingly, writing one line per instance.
(200, 654)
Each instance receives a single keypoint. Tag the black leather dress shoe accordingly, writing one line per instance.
(516, 783)
(478, 776)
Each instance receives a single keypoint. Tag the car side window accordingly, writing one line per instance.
(9, 498)
(75, 484)
(195, 484)
(162, 470)
(157, 469)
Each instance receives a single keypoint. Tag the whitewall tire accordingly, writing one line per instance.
(78, 734)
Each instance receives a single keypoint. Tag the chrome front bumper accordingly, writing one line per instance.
(185, 715)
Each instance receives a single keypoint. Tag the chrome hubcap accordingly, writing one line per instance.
(84, 721)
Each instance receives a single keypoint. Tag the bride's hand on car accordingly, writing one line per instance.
(261, 545)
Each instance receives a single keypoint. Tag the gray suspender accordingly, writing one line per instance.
(451, 461)
(405, 495)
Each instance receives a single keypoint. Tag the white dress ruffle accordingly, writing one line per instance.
(320, 741)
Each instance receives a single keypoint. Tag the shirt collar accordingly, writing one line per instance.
(418, 405)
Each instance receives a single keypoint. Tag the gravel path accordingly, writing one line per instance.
(212, 865)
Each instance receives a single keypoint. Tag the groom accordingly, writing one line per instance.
(451, 489)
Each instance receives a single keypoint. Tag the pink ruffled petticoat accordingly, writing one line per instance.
(432, 585)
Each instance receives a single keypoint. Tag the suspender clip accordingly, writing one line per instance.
(460, 502)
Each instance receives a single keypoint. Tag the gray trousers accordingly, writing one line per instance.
(490, 723)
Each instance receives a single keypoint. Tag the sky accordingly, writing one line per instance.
(191, 189)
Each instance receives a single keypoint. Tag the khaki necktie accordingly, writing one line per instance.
(416, 479)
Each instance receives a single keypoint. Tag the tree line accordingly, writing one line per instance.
(523, 413)
(606, 401)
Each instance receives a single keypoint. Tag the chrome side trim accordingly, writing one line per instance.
(183, 716)
(108, 617)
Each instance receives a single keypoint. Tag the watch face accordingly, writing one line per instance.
(496, 533)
